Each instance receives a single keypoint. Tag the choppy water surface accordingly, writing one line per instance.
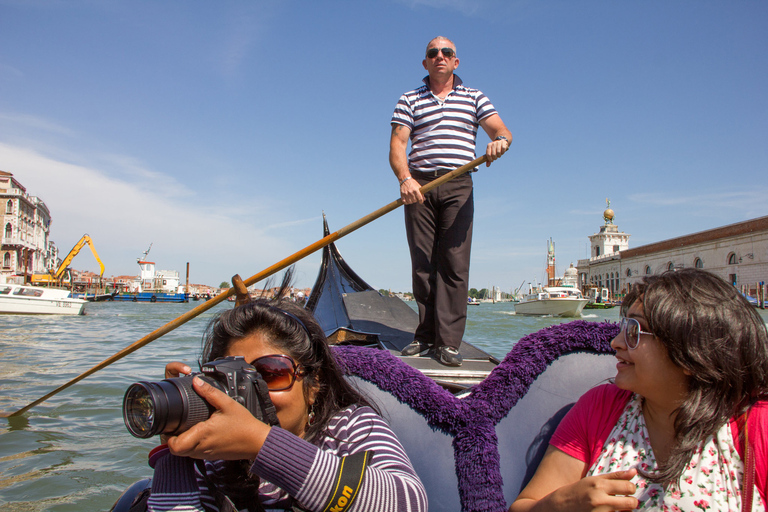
(73, 453)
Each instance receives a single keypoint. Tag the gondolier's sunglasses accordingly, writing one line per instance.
(448, 53)
(631, 329)
(278, 371)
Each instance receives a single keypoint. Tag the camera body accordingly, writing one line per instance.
(171, 406)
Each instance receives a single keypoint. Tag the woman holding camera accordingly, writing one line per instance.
(684, 425)
(325, 425)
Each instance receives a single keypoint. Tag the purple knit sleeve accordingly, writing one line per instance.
(174, 485)
(285, 460)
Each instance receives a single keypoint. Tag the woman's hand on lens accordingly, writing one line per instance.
(175, 369)
(231, 433)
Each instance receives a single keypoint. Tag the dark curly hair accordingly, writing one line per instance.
(296, 333)
(709, 329)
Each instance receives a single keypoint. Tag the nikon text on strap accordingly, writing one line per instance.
(348, 481)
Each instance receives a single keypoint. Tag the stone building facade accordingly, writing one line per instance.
(737, 252)
(26, 247)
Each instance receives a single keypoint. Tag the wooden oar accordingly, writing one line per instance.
(290, 260)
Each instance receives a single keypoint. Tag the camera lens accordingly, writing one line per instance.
(139, 411)
(168, 407)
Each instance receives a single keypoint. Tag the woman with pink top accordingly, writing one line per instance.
(684, 425)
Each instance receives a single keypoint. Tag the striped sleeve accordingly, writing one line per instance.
(390, 481)
(403, 113)
(175, 486)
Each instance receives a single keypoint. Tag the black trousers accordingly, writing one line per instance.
(439, 235)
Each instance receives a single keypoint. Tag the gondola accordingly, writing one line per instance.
(351, 312)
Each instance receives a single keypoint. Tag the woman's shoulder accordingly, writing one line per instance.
(607, 393)
(354, 417)
(357, 426)
(758, 417)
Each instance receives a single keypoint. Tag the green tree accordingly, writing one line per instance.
(224, 284)
(384, 292)
(473, 293)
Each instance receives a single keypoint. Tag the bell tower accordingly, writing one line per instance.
(551, 281)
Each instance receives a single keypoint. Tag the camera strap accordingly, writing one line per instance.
(348, 481)
(224, 502)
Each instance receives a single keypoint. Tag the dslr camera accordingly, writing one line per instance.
(171, 406)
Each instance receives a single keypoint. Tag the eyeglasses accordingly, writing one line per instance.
(278, 371)
(448, 53)
(631, 329)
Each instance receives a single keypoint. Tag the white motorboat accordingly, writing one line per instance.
(17, 299)
(553, 301)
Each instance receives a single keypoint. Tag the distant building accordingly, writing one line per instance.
(26, 248)
(737, 252)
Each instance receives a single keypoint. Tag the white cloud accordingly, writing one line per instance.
(124, 216)
(37, 123)
(752, 200)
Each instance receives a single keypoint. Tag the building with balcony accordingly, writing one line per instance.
(26, 248)
(737, 252)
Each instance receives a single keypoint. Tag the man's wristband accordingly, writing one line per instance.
(404, 180)
(501, 137)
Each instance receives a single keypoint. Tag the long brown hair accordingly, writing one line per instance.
(709, 329)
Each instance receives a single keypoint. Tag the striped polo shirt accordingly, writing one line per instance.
(442, 132)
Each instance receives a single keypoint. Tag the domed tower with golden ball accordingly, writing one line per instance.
(609, 240)
(608, 214)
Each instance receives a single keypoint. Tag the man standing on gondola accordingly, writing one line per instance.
(441, 119)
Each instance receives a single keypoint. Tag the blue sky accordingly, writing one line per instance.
(221, 131)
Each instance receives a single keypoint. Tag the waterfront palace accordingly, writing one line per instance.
(26, 247)
(737, 252)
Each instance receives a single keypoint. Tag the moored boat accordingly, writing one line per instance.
(94, 297)
(599, 305)
(599, 298)
(17, 299)
(552, 301)
(153, 286)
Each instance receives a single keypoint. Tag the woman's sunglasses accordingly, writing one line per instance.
(278, 371)
(447, 52)
(631, 329)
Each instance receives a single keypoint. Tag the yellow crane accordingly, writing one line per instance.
(55, 277)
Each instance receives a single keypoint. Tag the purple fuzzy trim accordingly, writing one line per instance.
(471, 421)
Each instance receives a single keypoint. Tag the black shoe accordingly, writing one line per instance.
(416, 347)
(449, 356)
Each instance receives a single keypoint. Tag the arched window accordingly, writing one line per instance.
(9, 207)
(629, 273)
(647, 270)
(7, 260)
(597, 251)
(8, 230)
(698, 263)
(732, 259)
(670, 266)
